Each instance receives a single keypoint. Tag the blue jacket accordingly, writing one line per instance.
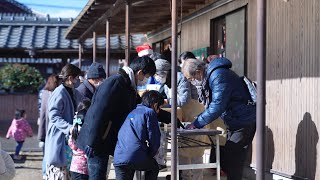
(228, 95)
(60, 112)
(140, 126)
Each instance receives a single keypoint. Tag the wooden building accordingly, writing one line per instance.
(228, 28)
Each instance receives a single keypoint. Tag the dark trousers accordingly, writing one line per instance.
(18, 147)
(126, 172)
(233, 154)
(78, 176)
(97, 167)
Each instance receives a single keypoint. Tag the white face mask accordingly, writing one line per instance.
(143, 82)
(98, 84)
(76, 82)
(160, 79)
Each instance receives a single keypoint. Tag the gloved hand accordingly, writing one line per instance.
(41, 144)
(89, 151)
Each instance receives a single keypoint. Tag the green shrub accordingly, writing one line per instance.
(20, 78)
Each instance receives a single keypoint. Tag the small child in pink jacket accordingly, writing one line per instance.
(79, 166)
(19, 130)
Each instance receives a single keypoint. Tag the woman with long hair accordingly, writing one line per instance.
(61, 108)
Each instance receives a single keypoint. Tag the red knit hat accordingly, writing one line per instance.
(144, 49)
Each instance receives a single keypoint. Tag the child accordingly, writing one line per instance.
(19, 130)
(139, 140)
(78, 168)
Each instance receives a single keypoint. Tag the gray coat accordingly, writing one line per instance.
(183, 91)
(43, 119)
(61, 112)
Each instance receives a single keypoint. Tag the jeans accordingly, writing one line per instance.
(78, 176)
(97, 167)
(126, 172)
(18, 147)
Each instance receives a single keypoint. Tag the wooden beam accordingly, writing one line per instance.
(118, 5)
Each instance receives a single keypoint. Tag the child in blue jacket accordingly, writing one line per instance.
(139, 139)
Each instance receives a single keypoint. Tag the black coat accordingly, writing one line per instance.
(113, 100)
(86, 89)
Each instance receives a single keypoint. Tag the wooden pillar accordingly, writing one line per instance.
(174, 143)
(127, 50)
(94, 47)
(107, 47)
(80, 54)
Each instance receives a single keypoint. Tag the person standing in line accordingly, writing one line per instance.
(61, 109)
(95, 76)
(111, 103)
(19, 130)
(51, 84)
(79, 165)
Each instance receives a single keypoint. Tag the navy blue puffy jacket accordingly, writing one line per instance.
(227, 97)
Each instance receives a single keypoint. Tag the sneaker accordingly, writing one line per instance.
(17, 157)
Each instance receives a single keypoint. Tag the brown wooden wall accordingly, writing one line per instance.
(293, 77)
(9, 103)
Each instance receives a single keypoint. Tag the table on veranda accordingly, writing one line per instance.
(185, 140)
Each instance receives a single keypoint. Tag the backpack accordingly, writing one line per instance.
(252, 89)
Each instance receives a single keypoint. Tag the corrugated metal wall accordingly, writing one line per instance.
(293, 77)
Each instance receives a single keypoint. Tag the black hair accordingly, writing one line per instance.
(186, 55)
(144, 63)
(19, 113)
(149, 98)
(79, 118)
(69, 70)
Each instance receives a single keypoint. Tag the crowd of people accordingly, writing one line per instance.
(81, 126)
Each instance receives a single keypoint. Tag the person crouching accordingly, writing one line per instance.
(139, 139)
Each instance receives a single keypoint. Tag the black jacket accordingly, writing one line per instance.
(86, 89)
(113, 100)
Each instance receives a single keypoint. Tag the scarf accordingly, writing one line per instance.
(130, 73)
(204, 92)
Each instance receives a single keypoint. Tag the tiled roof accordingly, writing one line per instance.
(12, 6)
(31, 60)
(31, 32)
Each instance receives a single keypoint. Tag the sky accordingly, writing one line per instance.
(55, 8)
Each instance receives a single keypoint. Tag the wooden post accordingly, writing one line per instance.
(107, 47)
(127, 50)
(80, 54)
(94, 46)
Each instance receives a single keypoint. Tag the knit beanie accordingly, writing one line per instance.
(95, 71)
